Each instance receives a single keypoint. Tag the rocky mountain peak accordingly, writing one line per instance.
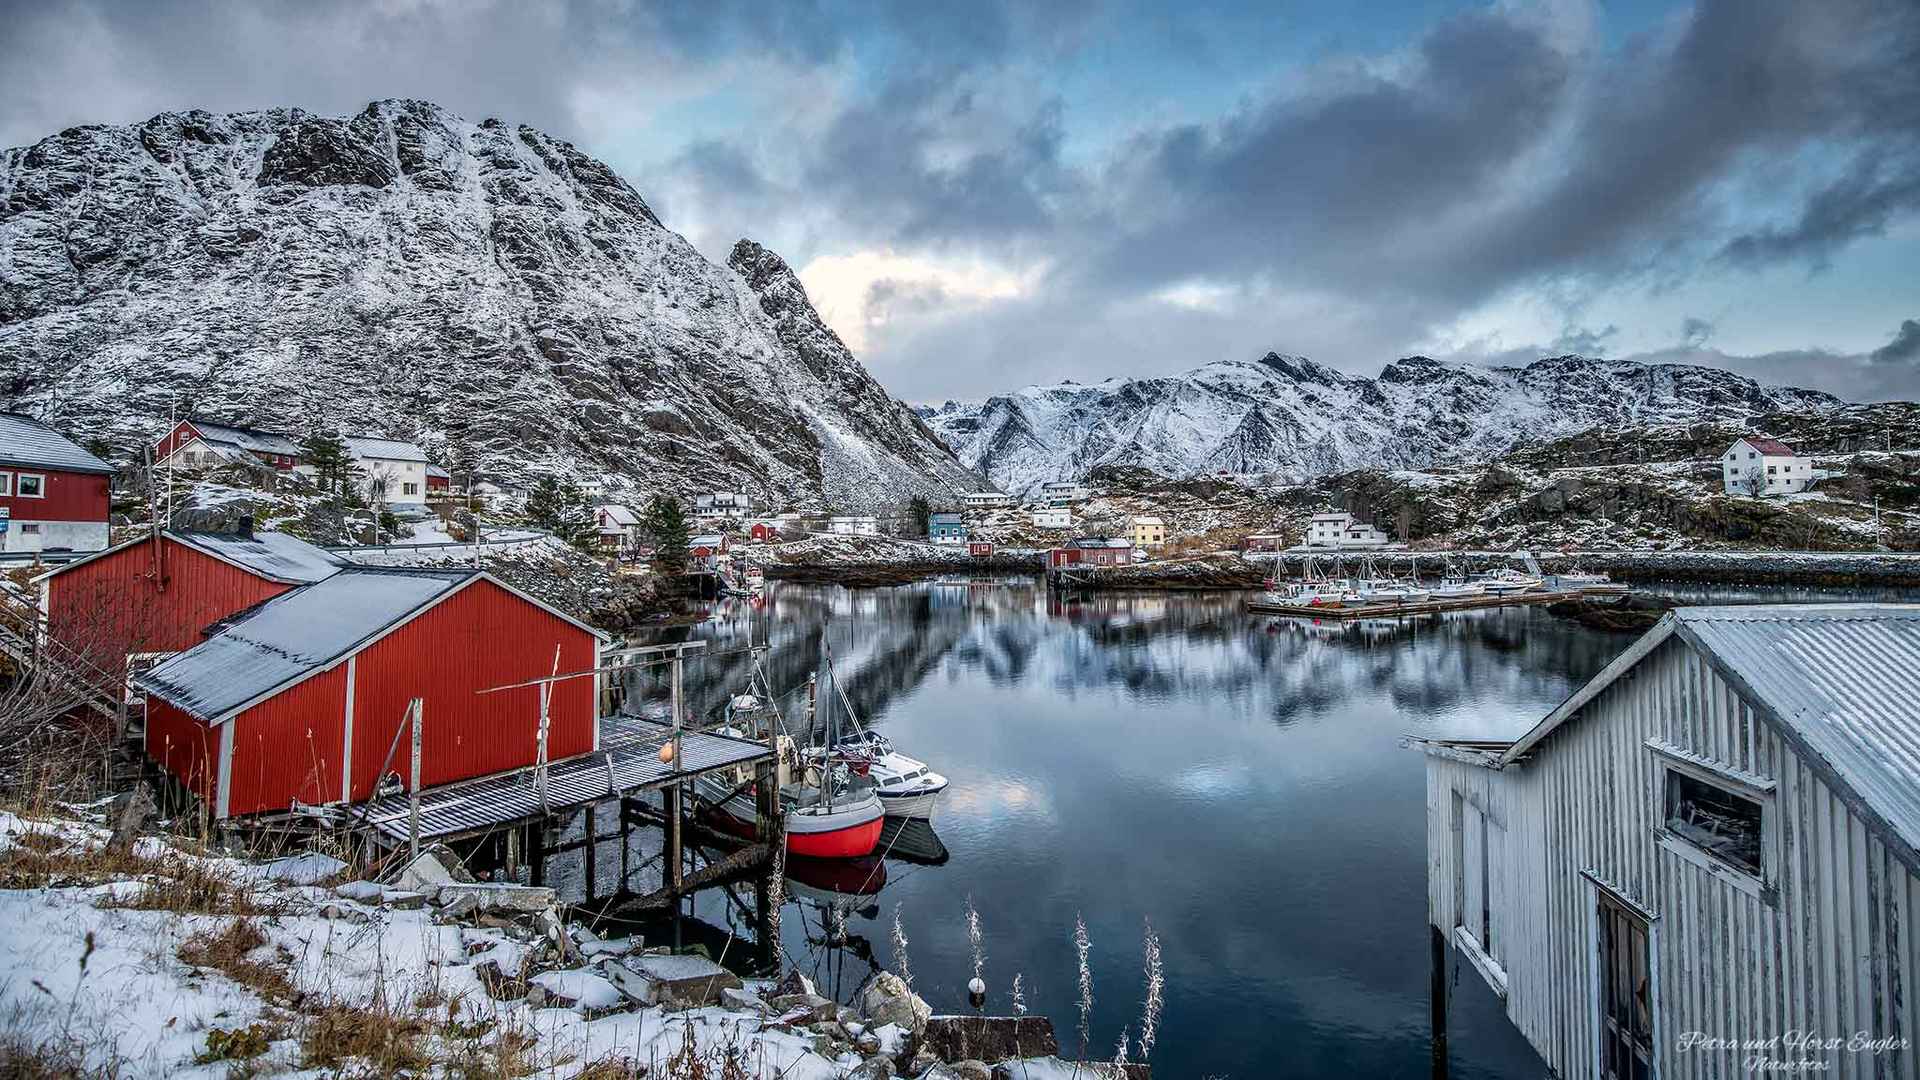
(405, 272)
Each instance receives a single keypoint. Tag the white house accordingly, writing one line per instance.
(618, 526)
(394, 472)
(1053, 517)
(1063, 492)
(721, 506)
(1713, 843)
(1341, 531)
(986, 500)
(1757, 466)
(854, 526)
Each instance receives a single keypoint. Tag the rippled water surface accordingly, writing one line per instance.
(1238, 780)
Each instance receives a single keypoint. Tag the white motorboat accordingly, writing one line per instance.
(1587, 582)
(1507, 582)
(1458, 589)
(1389, 591)
(1313, 594)
(907, 787)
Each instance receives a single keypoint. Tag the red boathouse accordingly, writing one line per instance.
(157, 594)
(301, 699)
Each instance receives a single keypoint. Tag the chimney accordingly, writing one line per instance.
(243, 526)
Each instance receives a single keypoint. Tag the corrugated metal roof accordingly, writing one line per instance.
(438, 473)
(272, 555)
(627, 761)
(252, 440)
(366, 446)
(944, 518)
(293, 636)
(1770, 447)
(1844, 678)
(26, 441)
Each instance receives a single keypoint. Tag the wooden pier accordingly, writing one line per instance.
(1415, 607)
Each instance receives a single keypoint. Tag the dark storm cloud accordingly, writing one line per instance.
(1695, 332)
(1904, 348)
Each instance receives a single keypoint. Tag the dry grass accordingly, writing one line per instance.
(382, 1039)
(52, 1059)
(507, 1056)
(171, 881)
(612, 1068)
(230, 951)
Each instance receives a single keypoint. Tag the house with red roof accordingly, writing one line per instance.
(1760, 467)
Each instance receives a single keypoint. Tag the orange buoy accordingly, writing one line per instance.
(666, 753)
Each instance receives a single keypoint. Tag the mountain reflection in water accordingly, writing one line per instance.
(1237, 779)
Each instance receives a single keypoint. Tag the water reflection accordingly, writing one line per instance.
(1238, 779)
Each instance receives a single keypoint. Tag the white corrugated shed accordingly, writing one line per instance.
(1805, 711)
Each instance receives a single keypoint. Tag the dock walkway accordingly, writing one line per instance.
(1415, 607)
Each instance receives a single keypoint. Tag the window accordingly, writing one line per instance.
(409, 489)
(30, 528)
(6, 483)
(30, 485)
(1477, 843)
(1724, 825)
(1770, 470)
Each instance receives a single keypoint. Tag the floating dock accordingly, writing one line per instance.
(1423, 607)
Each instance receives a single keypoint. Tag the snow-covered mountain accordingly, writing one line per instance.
(1295, 419)
(405, 272)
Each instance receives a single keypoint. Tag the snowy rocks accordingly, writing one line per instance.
(432, 868)
(888, 1000)
(495, 897)
(679, 981)
(576, 989)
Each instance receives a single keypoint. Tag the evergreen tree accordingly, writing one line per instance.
(666, 525)
(919, 511)
(558, 507)
(332, 462)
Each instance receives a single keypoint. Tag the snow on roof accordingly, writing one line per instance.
(1837, 680)
(1332, 516)
(944, 518)
(251, 440)
(618, 514)
(1147, 519)
(367, 446)
(26, 441)
(1086, 542)
(1770, 447)
(437, 472)
(275, 556)
(293, 636)
(713, 540)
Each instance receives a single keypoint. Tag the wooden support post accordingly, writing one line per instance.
(626, 844)
(1437, 1000)
(413, 788)
(592, 871)
(674, 869)
(513, 853)
(537, 852)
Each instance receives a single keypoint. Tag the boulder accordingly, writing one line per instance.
(432, 868)
(969, 1069)
(494, 898)
(683, 981)
(888, 1000)
(878, 1067)
(794, 983)
(989, 1038)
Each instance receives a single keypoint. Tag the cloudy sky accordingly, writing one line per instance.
(981, 196)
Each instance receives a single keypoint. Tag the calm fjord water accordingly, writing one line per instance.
(1238, 780)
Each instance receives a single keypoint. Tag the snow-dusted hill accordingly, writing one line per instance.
(405, 272)
(1295, 419)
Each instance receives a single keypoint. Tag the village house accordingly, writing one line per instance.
(1053, 517)
(1093, 551)
(1719, 833)
(150, 597)
(54, 496)
(854, 525)
(194, 445)
(979, 549)
(1760, 467)
(764, 532)
(393, 473)
(986, 500)
(299, 700)
(617, 526)
(1148, 531)
(1340, 530)
(1063, 493)
(707, 552)
(1265, 542)
(439, 480)
(946, 528)
(721, 506)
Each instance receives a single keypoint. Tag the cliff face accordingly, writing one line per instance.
(406, 272)
(1293, 419)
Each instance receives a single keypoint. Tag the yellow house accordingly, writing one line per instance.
(1149, 532)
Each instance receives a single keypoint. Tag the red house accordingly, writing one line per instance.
(301, 698)
(438, 479)
(1092, 551)
(201, 444)
(54, 494)
(156, 594)
(764, 532)
(979, 549)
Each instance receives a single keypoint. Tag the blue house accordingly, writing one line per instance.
(946, 529)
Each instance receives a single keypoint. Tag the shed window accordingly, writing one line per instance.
(1715, 820)
(30, 485)
(6, 483)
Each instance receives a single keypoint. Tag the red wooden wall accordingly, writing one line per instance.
(110, 606)
(289, 746)
(484, 636)
(70, 496)
(185, 747)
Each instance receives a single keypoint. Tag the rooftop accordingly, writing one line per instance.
(26, 441)
(292, 636)
(367, 446)
(251, 440)
(274, 556)
(1770, 447)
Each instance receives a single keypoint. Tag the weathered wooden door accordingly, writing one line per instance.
(1626, 993)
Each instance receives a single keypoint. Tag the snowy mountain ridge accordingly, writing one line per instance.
(1294, 419)
(478, 287)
